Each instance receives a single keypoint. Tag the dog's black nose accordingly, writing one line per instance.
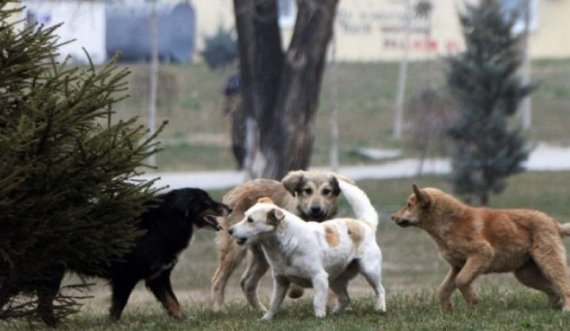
(231, 231)
(315, 210)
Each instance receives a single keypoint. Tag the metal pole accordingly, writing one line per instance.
(402, 76)
(526, 104)
(153, 75)
(333, 120)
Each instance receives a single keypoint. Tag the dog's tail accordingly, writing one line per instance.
(565, 229)
(361, 205)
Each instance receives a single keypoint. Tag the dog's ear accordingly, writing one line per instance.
(265, 200)
(293, 181)
(333, 182)
(344, 178)
(423, 198)
(275, 216)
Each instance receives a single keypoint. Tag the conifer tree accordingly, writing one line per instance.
(488, 143)
(67, 195)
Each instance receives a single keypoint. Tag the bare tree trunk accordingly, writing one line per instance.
(261, 62)
(280, 90)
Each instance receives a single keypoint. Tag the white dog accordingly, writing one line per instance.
(318, 255)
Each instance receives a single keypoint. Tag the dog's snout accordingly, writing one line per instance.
(393, 218)
(316, 209)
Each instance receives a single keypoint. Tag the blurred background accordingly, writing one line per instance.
(373, 40)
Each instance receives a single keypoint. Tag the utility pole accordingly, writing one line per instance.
(526, 104)
(333, 120)
(153, 74)
(402, 76)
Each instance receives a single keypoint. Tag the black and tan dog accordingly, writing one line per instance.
(168, 226)
(311, 195)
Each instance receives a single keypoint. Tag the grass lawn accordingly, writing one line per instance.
(412, 270)
(190, 99)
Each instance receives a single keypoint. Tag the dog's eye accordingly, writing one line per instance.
(250, 220)
(308, 191)
(409, 205)
(326, 191)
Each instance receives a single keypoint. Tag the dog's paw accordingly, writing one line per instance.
(218, 308)
(337, 310)
(320, 314)
(447, 308)
(266, 318)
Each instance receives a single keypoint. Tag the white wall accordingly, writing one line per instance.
(84, 22)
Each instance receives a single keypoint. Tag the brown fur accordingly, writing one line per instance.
(298, 192)
(355, 231)
(476, 241)
(331, 236)
(265, 200)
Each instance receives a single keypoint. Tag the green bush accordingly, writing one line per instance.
(221, 48)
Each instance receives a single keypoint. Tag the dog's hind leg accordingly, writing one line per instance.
(257, 267)
(371, 270)
(121, 289)
(550, 256)
(339, 287)
(531, 276)
(162, 290)
(231, 256)
(46, 294)
(446, 289)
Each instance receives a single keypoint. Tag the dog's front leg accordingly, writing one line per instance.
(280, 287)
(475, 266)
(321, 288)
(257, 267)
(446, 289)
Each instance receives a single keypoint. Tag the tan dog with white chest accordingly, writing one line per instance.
(476, 241)
(317, 255)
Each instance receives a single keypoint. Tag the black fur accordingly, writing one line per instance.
(168, 224)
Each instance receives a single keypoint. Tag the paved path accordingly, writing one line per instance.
(543, 158)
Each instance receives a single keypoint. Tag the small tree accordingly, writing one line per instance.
(431, 111)
(66, 195)
(221, 48)
(489, 145)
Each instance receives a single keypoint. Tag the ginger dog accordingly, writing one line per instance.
(312, 195)
(316, 255)
(476, 241)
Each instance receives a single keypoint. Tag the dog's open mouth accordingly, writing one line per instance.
(210, 220)
(241, 241)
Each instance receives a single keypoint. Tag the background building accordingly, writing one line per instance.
(366, 30)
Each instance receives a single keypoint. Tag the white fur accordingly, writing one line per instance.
(298, 251)
(361, 205)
